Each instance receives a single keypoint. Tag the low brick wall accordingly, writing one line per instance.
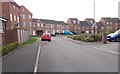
(9, 36)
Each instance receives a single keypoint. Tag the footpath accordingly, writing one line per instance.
(21, 59)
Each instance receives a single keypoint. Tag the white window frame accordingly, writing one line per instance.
(29, 16)
(24, 24)
(41, 24)
(11, 17)
(18, 19)
(23, 16)
(14, 6)
(38, 24)
(107, 23)
(111, 23)
(14, 18)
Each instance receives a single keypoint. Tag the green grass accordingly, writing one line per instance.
(31, 40)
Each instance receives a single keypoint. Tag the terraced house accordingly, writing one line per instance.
(49, 26)
(111, 24)
(77, 26)
(11, 11)
(26, 19)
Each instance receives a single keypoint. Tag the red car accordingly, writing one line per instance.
(46, 37)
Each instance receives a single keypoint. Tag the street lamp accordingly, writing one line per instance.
(94, 23)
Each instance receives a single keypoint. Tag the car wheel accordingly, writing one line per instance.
(117, 39)
(49, 40)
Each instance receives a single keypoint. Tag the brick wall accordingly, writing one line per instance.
(9, 36)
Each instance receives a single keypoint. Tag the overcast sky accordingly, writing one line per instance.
(64, 9)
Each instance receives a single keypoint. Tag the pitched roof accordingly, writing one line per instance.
(13, 2)
(74, 20)
(47, 21)
(35, 20)
(84, 23)
(91, 21)
(100, 24)
(111, 19)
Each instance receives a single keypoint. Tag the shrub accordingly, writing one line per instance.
(6, 49)
(88, 39)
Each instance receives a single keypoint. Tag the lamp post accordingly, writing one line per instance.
(94, 23)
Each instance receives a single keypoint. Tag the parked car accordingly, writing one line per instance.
(114, 36)
(46, 37)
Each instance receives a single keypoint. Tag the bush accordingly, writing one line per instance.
(6, 49)
(87, 37)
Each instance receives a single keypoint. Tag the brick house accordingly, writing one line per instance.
(77, 26)
(3, 22)
(49, 26)
(10, 10)
(82, 27)
(26, 19)
(72, 22)
(91, 21)
(98, 27)
(111, 24)
(38, 27)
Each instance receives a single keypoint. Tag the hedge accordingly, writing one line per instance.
(6, 49)
(86, 37)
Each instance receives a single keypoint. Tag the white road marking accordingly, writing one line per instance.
(37, 60)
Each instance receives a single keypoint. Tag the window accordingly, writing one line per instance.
(23, 16)
(11, 17)
(95, 27)
(18, 19)
(23, 9)
(116, 23)
(74, 21)
(29, 16)
(102, 28)
(24, 24)
(17, 8)
(91, 21)
(78, 22)
(110, 23)
(41, 25)
(14, 18)
(14, 6)
(30, 23)
(38, 24)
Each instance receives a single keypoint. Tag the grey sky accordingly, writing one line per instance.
(64, 9)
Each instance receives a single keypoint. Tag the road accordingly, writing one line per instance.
(62, 55)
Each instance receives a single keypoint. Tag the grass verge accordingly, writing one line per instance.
(31, 40)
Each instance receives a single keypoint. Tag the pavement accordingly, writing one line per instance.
(22, 59)
(63, 55)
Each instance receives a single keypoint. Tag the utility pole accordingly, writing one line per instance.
(94, 19)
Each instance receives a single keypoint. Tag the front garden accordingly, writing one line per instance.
(12, 46)
(87, 37)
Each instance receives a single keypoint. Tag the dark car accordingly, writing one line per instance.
(114, 36)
